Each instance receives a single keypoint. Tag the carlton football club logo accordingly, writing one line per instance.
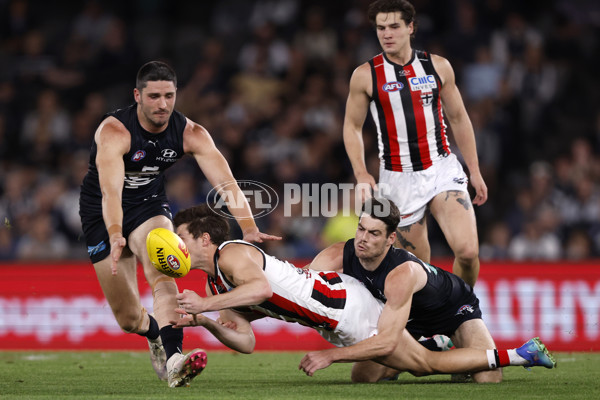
(392, 86)
(464, 310)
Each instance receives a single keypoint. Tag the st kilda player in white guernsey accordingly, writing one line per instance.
(410, 94)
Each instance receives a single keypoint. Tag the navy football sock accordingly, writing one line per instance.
(172, 340)
(430, 344)
(153, 331)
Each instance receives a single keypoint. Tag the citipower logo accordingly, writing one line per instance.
(233, 195)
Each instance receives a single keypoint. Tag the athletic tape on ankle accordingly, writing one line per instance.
(492, 356)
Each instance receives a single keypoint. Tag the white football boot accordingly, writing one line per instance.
(183, 368)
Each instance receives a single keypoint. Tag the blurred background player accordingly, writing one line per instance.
(408, 92)
(123, 198)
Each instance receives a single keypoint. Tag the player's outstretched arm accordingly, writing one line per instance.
(242, 265)
(198, 142)
(239, 339)
(400, 286)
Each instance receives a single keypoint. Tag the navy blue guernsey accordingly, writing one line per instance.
(148, 157)
(429, 303)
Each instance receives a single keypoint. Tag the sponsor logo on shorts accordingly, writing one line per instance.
(97, 248)
(138, 156)
(422, 83)
(392, 86)
(464, 310)
(460, 181)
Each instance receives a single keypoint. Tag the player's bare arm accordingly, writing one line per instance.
(329, 259)
(242, 265)
(357, 107)
(198, 142)
(400, 285)
(462, 128)
(112, 141)
(239, 339)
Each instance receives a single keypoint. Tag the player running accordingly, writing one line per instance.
(123, 198)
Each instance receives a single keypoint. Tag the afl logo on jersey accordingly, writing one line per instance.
(138, 156)
(392, 86)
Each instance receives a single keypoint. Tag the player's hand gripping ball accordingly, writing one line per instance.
(168, 252)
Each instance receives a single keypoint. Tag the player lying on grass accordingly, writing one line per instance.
(419, 297)
(248, 284)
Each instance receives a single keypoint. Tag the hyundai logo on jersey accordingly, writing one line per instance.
(168, 153)
(392, 86)
(138, 155)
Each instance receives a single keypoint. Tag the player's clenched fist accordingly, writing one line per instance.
(313, 361)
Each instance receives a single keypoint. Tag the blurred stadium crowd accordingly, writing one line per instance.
(269, 80)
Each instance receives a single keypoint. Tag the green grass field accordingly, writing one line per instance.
(127, 375)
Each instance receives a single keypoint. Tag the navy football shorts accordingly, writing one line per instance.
(462, 306)
(94, 230)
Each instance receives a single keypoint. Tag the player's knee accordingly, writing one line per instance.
(363, 377)
(494, 376)
(129, 322)
(467, 253)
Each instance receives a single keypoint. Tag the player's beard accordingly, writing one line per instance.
(155, 120)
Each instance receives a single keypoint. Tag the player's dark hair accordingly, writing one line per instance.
(389, 6)
(384, 210)
(202, 219)
(154, 71)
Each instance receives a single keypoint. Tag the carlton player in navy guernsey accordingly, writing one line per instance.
(410, 94)
(123, 198)
(245, 284)
(419, 297)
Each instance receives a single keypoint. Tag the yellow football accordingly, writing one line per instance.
(168, 253)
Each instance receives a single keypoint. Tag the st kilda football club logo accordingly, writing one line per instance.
(426, 99)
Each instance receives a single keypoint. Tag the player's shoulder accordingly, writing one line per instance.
(235, 250)
(406, 273)
(194, 129)
(196, 139)
(361, 74)
(441, 64)
(112, 129)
